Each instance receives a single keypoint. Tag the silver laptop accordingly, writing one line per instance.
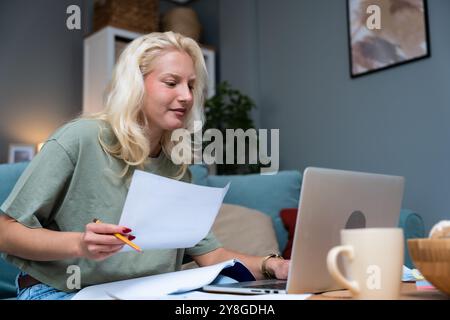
(330, 200)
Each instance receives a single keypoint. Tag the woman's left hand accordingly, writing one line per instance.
(278, 267)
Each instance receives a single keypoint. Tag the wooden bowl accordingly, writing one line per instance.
(432, 258)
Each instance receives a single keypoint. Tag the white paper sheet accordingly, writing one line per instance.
(166, 214)
(411, 274)
(154, 287)
(200, 295)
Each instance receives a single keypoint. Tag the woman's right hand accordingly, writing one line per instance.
(98, 241)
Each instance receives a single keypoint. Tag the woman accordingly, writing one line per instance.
(83, 170)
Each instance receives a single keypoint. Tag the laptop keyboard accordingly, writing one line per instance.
(276, 286)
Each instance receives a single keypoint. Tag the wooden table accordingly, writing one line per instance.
(408, 292)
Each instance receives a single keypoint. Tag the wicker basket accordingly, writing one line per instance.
(135, 15)
(432, 258)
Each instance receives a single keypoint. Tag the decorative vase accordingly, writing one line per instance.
(183, 20)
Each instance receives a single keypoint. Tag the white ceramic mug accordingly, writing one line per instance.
(374, 265)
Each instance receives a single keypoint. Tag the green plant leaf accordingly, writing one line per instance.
(230, 109)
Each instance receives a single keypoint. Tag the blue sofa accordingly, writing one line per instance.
(268, 194)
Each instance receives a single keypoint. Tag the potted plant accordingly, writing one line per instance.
(230, 109)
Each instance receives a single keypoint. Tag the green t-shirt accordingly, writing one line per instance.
(70, 182)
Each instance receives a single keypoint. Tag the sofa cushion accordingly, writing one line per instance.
(413, 227)
(9, 173)
(243, 230)
(8, 274)
(289, 217)
(266, 193)
(199, 174)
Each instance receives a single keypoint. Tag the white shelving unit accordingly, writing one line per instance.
(210, 61)
(101, 51)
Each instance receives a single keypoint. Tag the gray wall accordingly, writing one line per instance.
(394, 122)
(239, 48)
(40, 70)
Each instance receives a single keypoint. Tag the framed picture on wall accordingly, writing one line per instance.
(210, 61)
(21, 152)
(386, 33)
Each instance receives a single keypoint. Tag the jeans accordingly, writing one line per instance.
(41, 291)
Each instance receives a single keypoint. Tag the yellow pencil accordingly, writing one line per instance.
(124, 239)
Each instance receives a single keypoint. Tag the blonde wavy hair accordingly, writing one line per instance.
(125, 96)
